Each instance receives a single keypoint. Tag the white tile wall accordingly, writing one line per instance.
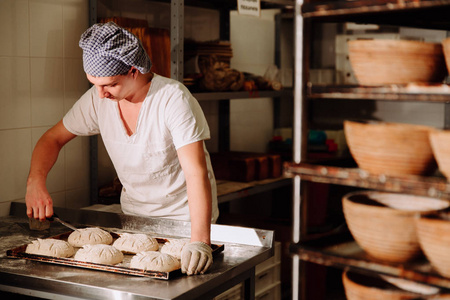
(41, 76)
(46, 28)
(15, 153)
(75, 82)
(47, 90)
(14, 28)
(15, 105)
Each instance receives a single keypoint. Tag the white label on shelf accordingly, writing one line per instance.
(249, 7)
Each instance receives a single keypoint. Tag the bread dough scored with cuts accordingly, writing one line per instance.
(100, 254)
(135, 242)
(154, 261)
(174, 247)
(50, 247)
(89, 236)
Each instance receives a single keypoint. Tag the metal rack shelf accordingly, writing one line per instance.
(432, 186)
(342, 251)
(423, 14)
(323, 8)
(412, 92)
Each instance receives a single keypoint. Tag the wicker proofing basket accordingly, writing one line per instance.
(383, 223)
(390, 148)
(379, 62)
(360, 287)
(440, 143)
(434, 237)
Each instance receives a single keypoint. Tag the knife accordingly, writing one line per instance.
(56, 218)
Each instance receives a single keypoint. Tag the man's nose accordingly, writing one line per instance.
(101, 92)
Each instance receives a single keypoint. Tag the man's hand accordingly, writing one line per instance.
(196, 257)
(38, 200)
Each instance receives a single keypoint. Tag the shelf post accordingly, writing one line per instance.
(298, 132)
(176, 39)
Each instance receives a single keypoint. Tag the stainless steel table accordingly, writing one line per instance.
(244, 249)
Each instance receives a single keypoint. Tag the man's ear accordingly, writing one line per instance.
(133, 72)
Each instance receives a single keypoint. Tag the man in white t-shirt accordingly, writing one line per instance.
(154, 132)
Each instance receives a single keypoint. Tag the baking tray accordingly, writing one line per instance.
(121, 268)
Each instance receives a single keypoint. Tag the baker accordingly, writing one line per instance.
(154, 132)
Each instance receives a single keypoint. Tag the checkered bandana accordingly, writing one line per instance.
(109, 50)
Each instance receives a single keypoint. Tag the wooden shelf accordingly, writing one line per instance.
(432, 186)
(423, 14)
(323, 8)
(342, 251)
(231, 190)
(412, 92)
(211, 96)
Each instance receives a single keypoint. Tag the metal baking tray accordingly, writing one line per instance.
(121, 268)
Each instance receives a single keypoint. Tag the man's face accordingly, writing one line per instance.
(113, 87)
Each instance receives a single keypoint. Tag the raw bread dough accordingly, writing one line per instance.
(100, 254)
(50, 247)
(135, 242)
(174, 247)
(154, 261)
(89, 236)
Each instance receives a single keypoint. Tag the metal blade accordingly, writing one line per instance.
(64, 223)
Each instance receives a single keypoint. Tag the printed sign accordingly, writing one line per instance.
(249, 7)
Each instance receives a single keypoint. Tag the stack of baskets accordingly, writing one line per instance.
(391, 227)
(395, 227)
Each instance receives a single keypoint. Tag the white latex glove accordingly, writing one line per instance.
(196, 257)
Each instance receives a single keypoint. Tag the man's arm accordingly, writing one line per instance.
(45, 153)
(196, 257)
(193, 162)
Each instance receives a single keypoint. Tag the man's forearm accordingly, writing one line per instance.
(43, 158)
(46, 151)
(200, 206)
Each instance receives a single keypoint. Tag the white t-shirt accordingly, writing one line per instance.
(146, 162)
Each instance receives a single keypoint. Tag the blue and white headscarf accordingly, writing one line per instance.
(109, 50)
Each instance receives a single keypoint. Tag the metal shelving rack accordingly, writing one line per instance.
(338, 249)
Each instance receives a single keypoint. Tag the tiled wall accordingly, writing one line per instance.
(41, 76)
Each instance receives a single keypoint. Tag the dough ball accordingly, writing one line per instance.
(154, 261)
(174, 247)
(89, 236)
(135, 243)
(50, 247)
(100, 254)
